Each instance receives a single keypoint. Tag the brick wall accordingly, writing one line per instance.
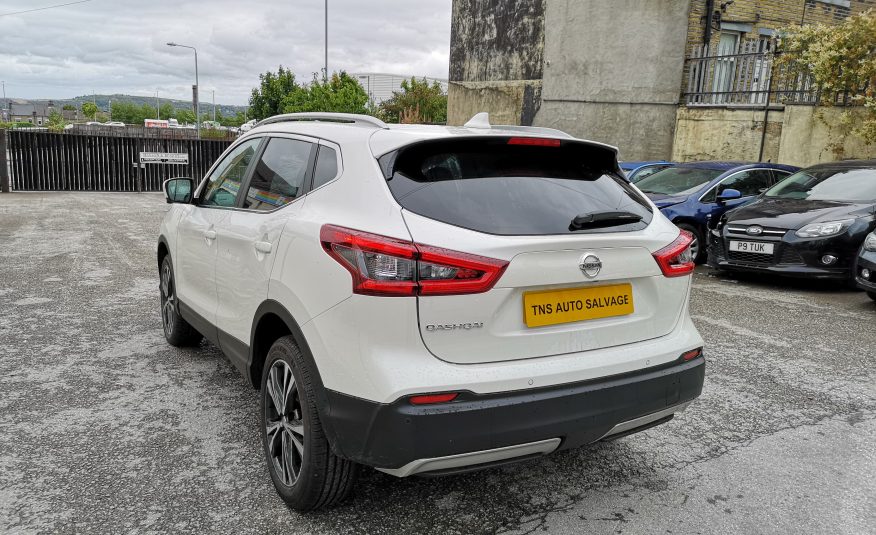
(760, 18)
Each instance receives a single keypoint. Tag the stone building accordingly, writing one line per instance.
(620, 72)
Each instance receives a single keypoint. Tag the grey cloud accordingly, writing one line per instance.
(119, 47)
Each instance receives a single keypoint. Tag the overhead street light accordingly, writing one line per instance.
(196, 96)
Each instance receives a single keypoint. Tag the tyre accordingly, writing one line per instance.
(698, 245)
(305, 472)
(177, 331)
(872, 295)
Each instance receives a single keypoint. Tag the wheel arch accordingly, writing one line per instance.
(163, 250)
(271, 322)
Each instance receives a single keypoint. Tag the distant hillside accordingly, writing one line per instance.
(103, 102)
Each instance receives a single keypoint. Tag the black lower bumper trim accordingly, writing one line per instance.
(392, 435)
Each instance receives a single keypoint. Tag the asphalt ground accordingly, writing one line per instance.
(104, 428)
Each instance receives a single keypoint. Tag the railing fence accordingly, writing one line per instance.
(46, 161)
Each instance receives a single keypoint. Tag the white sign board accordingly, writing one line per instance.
(175, 158)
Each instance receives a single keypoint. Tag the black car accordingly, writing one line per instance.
(811, 224)
(865, 268)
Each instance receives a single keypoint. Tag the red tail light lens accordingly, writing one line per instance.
(430, 399)
(534, 141)
(692, 354)
(675, 259)
(390, 267)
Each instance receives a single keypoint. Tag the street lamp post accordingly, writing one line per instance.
(214, 105)
(196, 96)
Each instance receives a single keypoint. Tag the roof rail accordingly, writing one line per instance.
(349, 118)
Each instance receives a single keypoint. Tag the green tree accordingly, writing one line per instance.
(185, 116)
(840, 58)
(266, 100)
(89, 109)
(341, 94)
(167, 111)
(417, 102)
(68, 107)
(56, 122)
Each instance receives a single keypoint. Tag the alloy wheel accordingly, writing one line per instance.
(168, 300)
(284, 426)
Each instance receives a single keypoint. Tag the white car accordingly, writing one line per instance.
(429, 299)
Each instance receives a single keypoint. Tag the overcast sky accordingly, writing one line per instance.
(116, 46)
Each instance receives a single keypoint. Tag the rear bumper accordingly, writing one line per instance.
(481, 429)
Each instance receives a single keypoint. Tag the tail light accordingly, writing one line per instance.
(692, 354)
(675, 259)
(391, 267)
(431, 399)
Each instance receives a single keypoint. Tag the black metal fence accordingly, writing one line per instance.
(746, 73)
(46, 161)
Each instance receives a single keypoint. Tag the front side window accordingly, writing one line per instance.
(223, 184)
(841, 185)
(749, 183)
(278, 178)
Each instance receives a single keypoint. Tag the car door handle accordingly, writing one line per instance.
(263, 246)
(210, 234)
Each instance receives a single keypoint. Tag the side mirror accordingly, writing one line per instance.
(729, 194)
(179, 190)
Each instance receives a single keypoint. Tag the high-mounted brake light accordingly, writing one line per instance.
(534, 141)
(431, 399)
(391, 267)
(675, 259)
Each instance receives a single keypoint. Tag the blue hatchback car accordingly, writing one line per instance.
(636, 171)
(690, 194)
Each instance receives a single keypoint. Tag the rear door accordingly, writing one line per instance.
(271, 198)
(569, 286)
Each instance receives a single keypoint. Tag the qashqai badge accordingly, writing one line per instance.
(590, 264)
(754, 230)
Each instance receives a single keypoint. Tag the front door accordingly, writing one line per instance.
(198, 232)
(750, 183)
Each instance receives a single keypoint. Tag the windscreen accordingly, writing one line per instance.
(841, 185)
(510, 186)
(678, 180)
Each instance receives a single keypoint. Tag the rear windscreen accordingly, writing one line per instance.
(507, 186)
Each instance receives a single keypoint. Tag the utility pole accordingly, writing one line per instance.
(5, 104)
(157, 105)
(195, 89)
(214, 105)
(325, 76)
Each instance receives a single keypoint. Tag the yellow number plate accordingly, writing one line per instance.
(551, 307)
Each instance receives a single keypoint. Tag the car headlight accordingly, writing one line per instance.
(870, 242)
(822, 230)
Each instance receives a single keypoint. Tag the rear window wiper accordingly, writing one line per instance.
(603, 219)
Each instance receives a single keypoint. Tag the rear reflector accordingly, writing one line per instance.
(534, 141)
(430, 399)
(692, 354)
(391, 267)
(675, 259)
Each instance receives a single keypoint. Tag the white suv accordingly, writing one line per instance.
(429, 299)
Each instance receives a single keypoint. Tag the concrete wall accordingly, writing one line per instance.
(496, 60)
(797, 135)
(725, 134)
(813, 135)
(612, 73)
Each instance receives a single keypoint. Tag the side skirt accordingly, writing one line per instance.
(236, 351)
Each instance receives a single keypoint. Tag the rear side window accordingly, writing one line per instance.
(326, 166)
(510, 187)
(278, 178)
